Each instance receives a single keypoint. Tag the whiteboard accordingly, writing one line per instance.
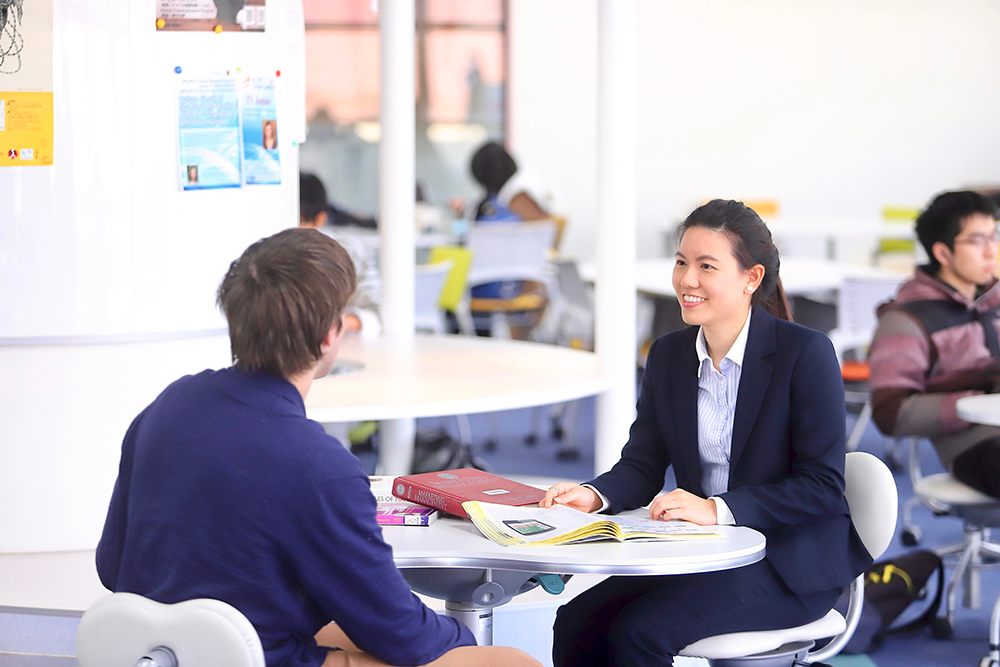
(105, 242)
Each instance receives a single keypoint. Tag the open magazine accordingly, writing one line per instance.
(532, 526)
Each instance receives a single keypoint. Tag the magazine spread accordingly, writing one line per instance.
(529, 526)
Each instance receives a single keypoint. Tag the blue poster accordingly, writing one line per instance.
(260, 131)
(209, 133)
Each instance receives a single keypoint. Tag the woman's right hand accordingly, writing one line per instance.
(572, 495)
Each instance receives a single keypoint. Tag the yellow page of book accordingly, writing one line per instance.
(528, 526)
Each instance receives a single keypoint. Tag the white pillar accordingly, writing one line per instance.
(615, 335)
(396, 206)
(396, 166)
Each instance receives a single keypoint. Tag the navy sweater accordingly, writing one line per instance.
(226, 490)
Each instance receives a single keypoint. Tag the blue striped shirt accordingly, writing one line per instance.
(717, 391)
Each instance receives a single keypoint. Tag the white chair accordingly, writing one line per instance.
(128, 630)
(509, 251)
(857, 300)
(871, 495)
(946, 496)
(428, 285)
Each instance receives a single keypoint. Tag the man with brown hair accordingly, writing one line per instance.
(226, 490)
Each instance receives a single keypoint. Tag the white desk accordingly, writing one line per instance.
(983, 409)
(451, 560)
(836, 229)
(428, 376)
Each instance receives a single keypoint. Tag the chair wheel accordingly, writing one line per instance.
(910, 536)
(568, 455)
(988, 662)
(531, 440)
(490, 445)
(558, 432)
(941, 628)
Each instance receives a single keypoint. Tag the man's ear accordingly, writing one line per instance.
(942, 253)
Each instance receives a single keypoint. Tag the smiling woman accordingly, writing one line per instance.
(766, 449)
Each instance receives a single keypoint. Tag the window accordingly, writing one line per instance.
(461, 72)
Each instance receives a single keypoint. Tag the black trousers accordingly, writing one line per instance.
(644, 621)
(979, 467)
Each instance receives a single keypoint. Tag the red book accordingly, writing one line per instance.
(446, 490)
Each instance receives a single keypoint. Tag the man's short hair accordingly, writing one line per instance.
(312, 197)
(943, 218)
(282, 297)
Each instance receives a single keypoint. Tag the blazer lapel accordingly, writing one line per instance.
(686, 458)
(754, 379)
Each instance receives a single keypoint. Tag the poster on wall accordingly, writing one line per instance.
(26, 117)
(262, 164)
(208, 132)
(210, 15)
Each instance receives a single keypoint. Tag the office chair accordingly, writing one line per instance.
(509, 251)
(946, 496)
(857, 300)
(429, 283)
(871, 494)
(128, 630)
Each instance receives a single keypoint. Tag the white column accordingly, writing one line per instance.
(396, 206)
(615, 335)
(396, 166)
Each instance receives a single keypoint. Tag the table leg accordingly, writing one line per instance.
(396, 438)
(478, 619)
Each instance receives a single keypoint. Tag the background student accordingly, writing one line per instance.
(748, 408)
(362, 314)
(226, 490)
(936, 342)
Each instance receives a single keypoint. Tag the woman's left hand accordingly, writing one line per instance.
(679, 504)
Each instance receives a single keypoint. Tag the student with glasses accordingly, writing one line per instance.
(937, 341)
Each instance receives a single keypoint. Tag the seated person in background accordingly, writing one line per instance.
(227, 491)
(504, 201)
(362, 314)
(748, 409)
(510, 195)
(937, 340)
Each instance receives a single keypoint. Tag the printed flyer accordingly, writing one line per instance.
(260, 131)
(209, 133)
(26, 112)
(210, 15)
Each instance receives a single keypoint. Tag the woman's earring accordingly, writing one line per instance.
(749, 290)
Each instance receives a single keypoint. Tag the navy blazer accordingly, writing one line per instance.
(786, 475)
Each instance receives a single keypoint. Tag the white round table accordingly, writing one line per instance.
(452, 561)
(398, 379)
(982, 409)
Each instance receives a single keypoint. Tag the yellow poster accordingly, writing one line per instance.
(26, 116)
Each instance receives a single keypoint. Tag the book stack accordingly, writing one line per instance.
(395, 512)
(446, 490)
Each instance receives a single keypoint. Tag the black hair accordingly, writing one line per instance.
(492, 166)
(751, 244)
(312, 196)
(944, 217)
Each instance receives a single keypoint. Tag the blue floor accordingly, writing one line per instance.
(969, 642)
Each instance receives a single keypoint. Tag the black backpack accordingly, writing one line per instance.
(437, 450)
(891, 586)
